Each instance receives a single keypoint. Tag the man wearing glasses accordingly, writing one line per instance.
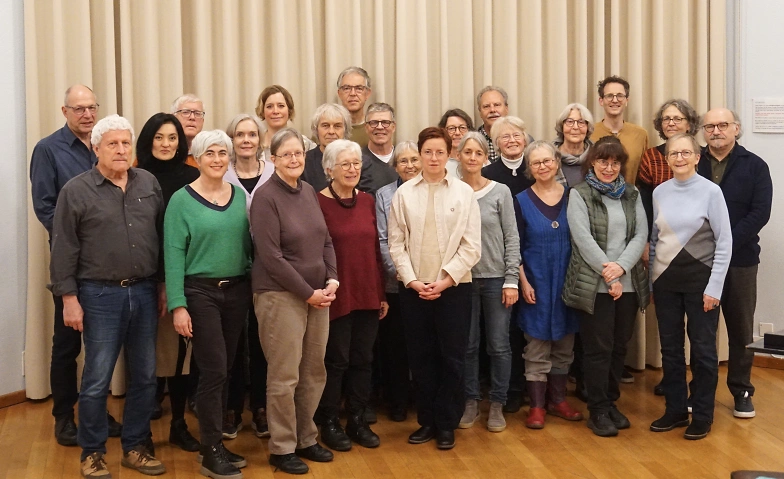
(380, 129)
(614, 98)
(492, 103)
(56, 159)
(744, 178)
(354, 91)
(189, 109)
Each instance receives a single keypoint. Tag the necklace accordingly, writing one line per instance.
(345, 204)
(487, 182)
(258, 172)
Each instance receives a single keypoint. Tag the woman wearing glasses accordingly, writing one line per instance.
(457, 123)
(690, 252)
(573, 130)
(606, 279)
(294, 282)
(549, 325)
(275, 106)
(354, 315)
(510, 139)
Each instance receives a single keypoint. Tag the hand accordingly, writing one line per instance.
(321, 298)
(709, 302)
(331, 288)
(612, 271)
(182, 322)
(646, 253)
(510, 296)
(616, 290)
(528, 293)
(424, 290)
(384, 310)
(73, 315)
(162, 300)
(433, 290)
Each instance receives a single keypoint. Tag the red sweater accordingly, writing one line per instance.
(355, 239)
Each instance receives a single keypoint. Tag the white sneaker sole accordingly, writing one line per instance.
(744, 415)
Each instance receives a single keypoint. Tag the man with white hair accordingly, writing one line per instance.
(189, 109)
(105, 247)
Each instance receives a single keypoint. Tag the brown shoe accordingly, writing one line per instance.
(95, 466)
(139, 459)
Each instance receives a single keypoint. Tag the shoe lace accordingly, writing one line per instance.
(221, 452)
(97, 462)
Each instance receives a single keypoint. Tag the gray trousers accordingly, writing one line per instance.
(545, 357)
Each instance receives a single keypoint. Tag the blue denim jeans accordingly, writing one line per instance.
(486, 296)
(115, 317)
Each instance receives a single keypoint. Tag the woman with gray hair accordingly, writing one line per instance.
(510, 138)
(573, 130)
(354, 315)
(330, 122)
(207, 249)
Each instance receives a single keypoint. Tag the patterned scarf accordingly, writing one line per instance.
(614, 190)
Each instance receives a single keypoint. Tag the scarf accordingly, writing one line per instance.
(614, 190)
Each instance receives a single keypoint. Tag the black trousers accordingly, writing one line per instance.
(249, 360)
(605, 334)
(348, 360)
(66, 346)
(517, 342)
(738, 302)
(437, 339)
(394, 357)
(218, 317)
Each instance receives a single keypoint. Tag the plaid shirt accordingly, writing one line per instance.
(491, 153)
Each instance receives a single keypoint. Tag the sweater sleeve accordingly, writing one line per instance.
(631, 255)
(176, 237)
(722, 233)
(580, 228)
(511, 240)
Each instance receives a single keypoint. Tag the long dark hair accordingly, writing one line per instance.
(144, 143)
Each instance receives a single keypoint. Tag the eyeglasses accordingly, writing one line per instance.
(347, 166)
(297, 155)
(675, 119)
(548, 162)
(685, 154)
(508, 137)
(570, 122)
(407, 162)
(384, 123)
(603, 164)
(721, 126)
(613, 96)
(347, 89)
(81, 110)
(452, 129)
(191, 113)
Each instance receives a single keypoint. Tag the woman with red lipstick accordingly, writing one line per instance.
(606, 279)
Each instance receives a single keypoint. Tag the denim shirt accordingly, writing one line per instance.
(383, 203)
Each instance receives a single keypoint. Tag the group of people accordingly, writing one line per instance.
(317, 266)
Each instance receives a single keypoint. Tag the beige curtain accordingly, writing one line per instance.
(424, 56)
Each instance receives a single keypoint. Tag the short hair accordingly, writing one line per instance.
(503, 121)
(68, 92)
(491, 88)
(206, 139)
(584, 112)
(735, 118)
(606, 148)
(432, 133)
(401, 148)
(539, 145)
(144, 156)
(282, 136)
(110, 123)
(268, 92)
(379, 108)
(458, 113)
(334, 149)
(686, 110)
(331, 110)
(477, 137)
(183, 99)
(612, 79)
(234, 123)
(680, 136)
(358, 70)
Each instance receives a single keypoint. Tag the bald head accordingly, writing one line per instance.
(80, 108)
(724, 126)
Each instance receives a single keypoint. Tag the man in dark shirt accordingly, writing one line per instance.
(380, 127)
(744, 179)
(105, 247)
(56, 159)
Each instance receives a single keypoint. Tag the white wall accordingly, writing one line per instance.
(760, 74)
(13, 198)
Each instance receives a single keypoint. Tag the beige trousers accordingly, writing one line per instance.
(545, 357)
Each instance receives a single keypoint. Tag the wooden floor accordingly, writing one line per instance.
(561, 450)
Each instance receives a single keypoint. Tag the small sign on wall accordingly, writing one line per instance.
(768, 115)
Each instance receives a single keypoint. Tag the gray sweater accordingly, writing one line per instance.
(626, 255)
(500, 239)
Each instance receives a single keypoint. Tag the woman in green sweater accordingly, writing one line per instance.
(207, 250)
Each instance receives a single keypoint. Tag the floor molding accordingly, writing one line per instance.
(13, 398)
(768, 361)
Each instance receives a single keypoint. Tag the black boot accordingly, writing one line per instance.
(359, 431)
(333, 436)
(215, 463)
(181, 437)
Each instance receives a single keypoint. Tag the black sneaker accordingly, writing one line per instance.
(215, 463)
(744, 408)
(288, 463)
(514, 402)
(617, 418)
(370, 415)
(315, 453)
(115, 428)
(626, 377)
(232, 424)
(235, 459)
(334, 437)
(65, 431)
(601, 425)
(357, 430)
(398, 414)
(697, 429)
(658, 390)
(259, 423)
(668, 422)
(180, 436)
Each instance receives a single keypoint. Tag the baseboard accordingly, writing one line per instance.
(768, 361)
(13, 398)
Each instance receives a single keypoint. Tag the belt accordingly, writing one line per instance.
(124, 283)
(220, 283)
